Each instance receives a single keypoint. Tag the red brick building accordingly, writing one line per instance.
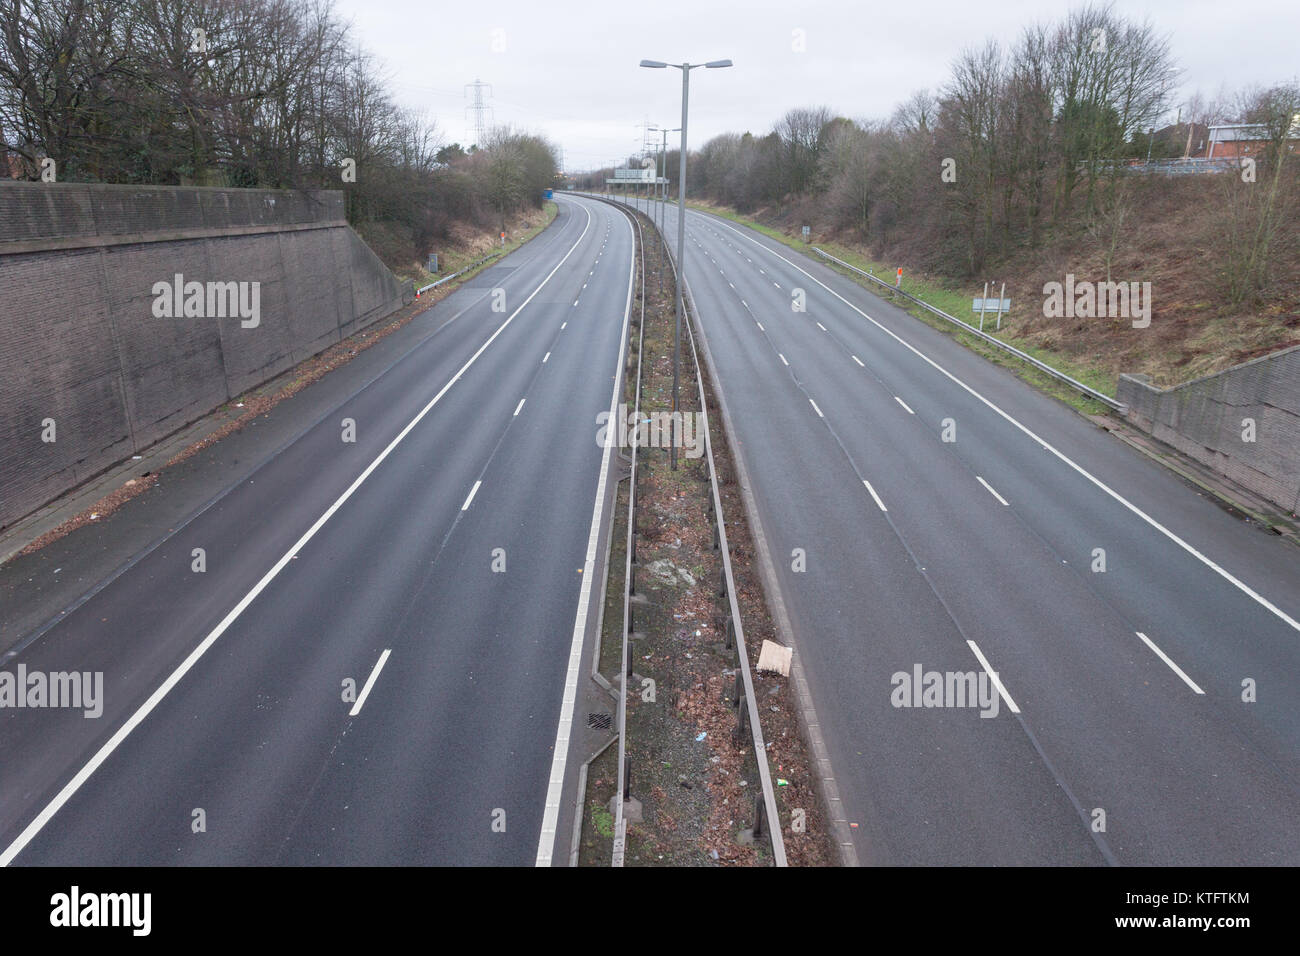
(1241, 140)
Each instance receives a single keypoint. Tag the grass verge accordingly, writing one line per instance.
(952, 301)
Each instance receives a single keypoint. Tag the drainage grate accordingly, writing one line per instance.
(599, 721)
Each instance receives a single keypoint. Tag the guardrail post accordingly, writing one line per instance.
(742, 724)
(722, 582)
(730, 631)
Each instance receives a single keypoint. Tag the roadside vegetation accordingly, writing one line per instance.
(260, 93)
(1030, 162)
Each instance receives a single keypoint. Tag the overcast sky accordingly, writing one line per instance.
(568, 69)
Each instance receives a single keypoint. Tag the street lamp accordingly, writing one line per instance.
(681, 225)
(662, 194)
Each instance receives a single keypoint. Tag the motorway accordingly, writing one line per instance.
(955, 519)
(379, 663)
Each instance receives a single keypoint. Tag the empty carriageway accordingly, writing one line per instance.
(376, 666)
(956, 519)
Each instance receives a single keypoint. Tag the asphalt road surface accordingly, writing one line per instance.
(442, 563)
(953, 520)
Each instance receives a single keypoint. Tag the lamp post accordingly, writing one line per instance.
(661, 194)
(681, 227)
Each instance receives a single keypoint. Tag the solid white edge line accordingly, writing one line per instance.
(905, 405)
(104, 752)
(1222, 572)
(560, 754)
(993, 676)
(816, 409)
(520, 406)
(879, 503)
(1172, 666)
(472, 492)
(989, 489)
(370, 682)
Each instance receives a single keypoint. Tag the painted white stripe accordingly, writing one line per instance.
(472, 492)
(990, 490)
(562, 326)
(994, 677)
(104, 752)
(760, 326)
(560, 752)
(1165, 657)
(879, 503)
(545, 357)
(782, 357)
(816, 409)
(904, 404)
(520, 405)
(1043, 443)
(374, 675)
(858, 360)
(820, 326)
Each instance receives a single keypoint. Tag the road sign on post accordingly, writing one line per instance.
(806, 230)
(986, 304)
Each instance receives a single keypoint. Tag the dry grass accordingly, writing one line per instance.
(1173, 238)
